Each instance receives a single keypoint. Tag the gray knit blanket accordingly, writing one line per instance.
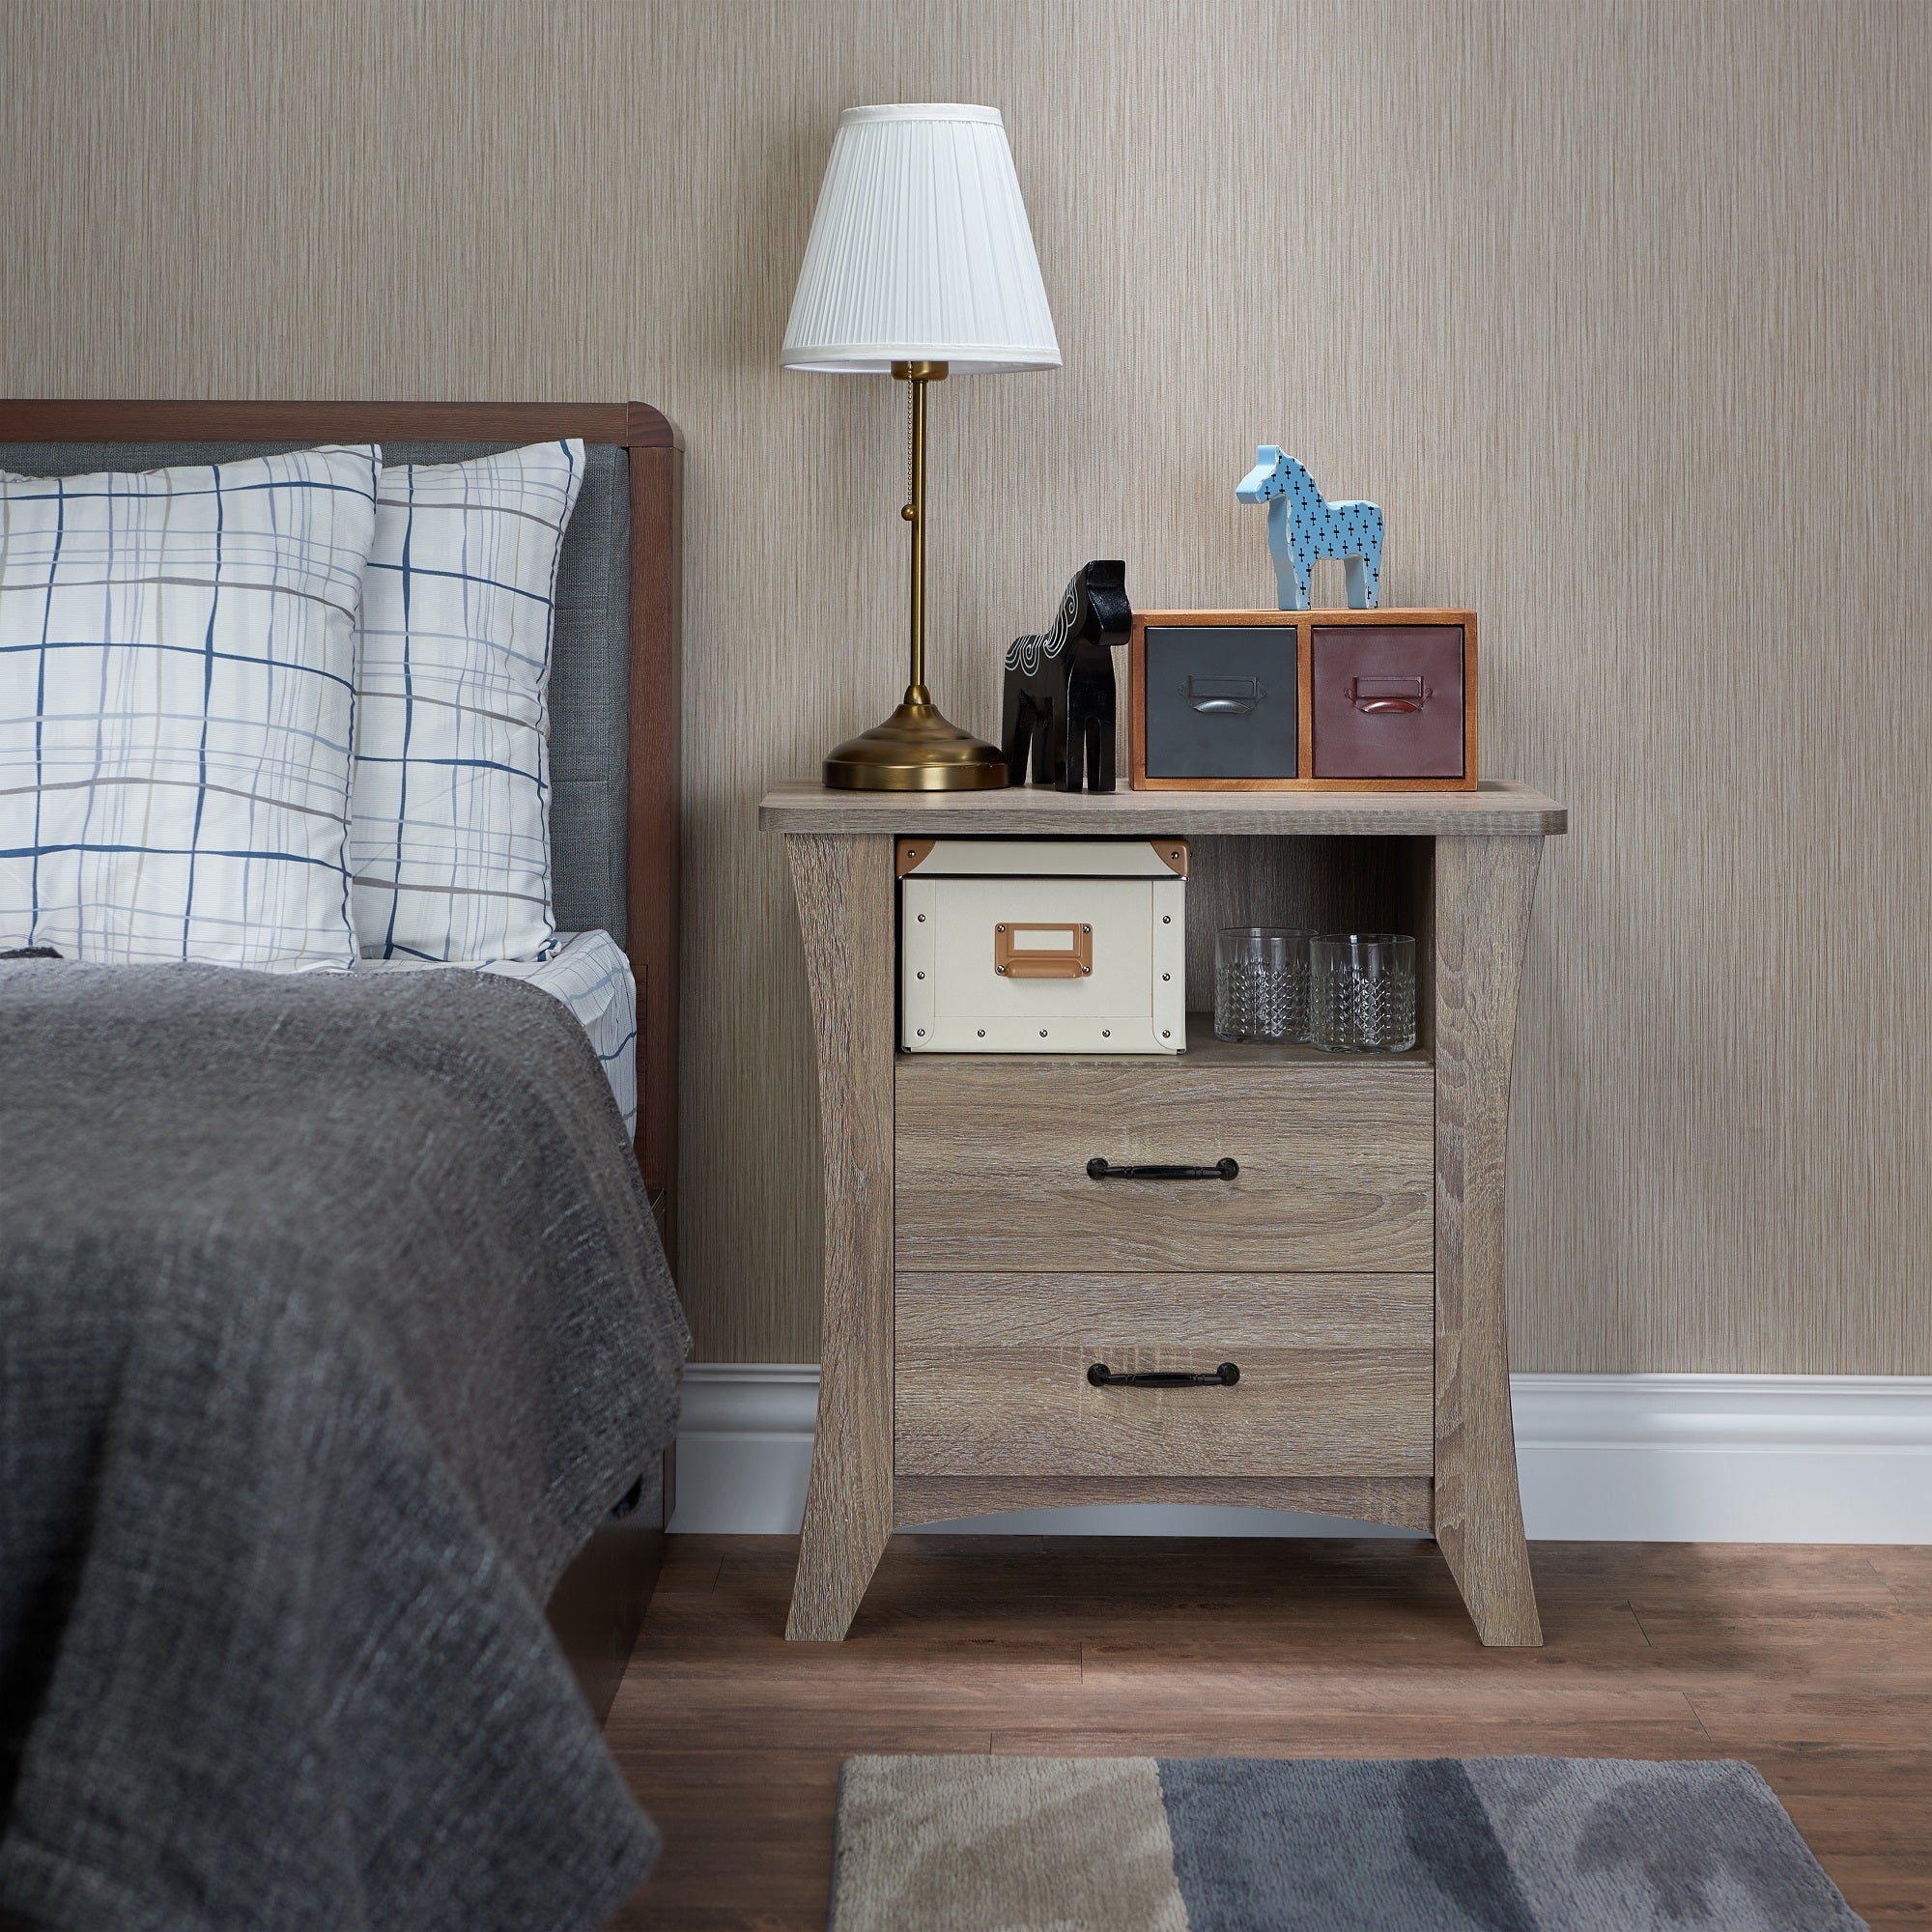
(333, 1320)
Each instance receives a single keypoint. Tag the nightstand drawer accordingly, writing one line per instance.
(1333, 1159)
(992, 1375)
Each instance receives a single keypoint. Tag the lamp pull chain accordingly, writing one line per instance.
(911, 509)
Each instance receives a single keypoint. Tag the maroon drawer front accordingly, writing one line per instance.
(1388, 700)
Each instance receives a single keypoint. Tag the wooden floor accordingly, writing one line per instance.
(1813, 1663)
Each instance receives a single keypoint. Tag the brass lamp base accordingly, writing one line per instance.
(915, 749)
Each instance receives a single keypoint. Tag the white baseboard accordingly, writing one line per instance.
(1609, 1459)
(1725, 1458)
(744, 1447)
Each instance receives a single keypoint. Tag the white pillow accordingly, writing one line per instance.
(450, 842)
(176, 660)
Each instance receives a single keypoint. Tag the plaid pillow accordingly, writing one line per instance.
(177, 655)
(451, 842)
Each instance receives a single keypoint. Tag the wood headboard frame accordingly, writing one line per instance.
(656, 459)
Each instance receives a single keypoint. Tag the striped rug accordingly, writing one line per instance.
(1510, 1844)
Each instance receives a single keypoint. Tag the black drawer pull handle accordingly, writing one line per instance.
(1103, 1377)
(1224, 1169)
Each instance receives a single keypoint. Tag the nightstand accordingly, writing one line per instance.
(974, 1269)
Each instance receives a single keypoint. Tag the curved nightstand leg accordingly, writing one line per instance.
(1483, 892)
(844, 887)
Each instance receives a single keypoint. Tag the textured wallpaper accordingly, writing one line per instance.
(1623, 313)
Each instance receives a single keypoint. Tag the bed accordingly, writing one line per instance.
(506, 1434)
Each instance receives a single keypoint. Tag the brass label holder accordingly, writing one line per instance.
(1017, 957)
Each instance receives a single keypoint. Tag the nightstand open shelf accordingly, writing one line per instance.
(1012, 1321)
(1204, 1050)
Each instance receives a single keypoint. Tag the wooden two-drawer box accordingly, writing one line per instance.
(1243, 1275)
(1266, 700)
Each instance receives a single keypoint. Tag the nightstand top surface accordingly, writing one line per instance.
(1495, 810)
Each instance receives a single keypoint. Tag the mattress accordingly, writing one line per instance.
(590, 975)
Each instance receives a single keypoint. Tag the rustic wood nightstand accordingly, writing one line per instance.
(1353, 1267)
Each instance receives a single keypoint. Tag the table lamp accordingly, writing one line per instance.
(921, 265)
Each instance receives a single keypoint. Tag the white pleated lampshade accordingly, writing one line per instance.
(920, 251)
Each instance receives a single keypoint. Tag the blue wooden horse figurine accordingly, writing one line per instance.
(1303, 524)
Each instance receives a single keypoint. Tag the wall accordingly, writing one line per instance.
(1620, 311)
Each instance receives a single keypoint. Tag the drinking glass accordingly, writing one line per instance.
(1362, 993)
(1261, 982)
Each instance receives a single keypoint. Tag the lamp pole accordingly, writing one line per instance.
(916, 376)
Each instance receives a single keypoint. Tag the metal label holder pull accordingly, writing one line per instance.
(1381, 696)
(1224, 696)
(1019, 955)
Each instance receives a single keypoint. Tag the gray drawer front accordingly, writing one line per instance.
(1221, 701)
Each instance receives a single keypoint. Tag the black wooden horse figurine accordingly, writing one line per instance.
(1059, 686)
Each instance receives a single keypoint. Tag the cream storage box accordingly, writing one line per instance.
(1043, 944)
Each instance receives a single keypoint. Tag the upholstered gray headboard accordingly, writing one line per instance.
(589, 679)
(614, 806)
